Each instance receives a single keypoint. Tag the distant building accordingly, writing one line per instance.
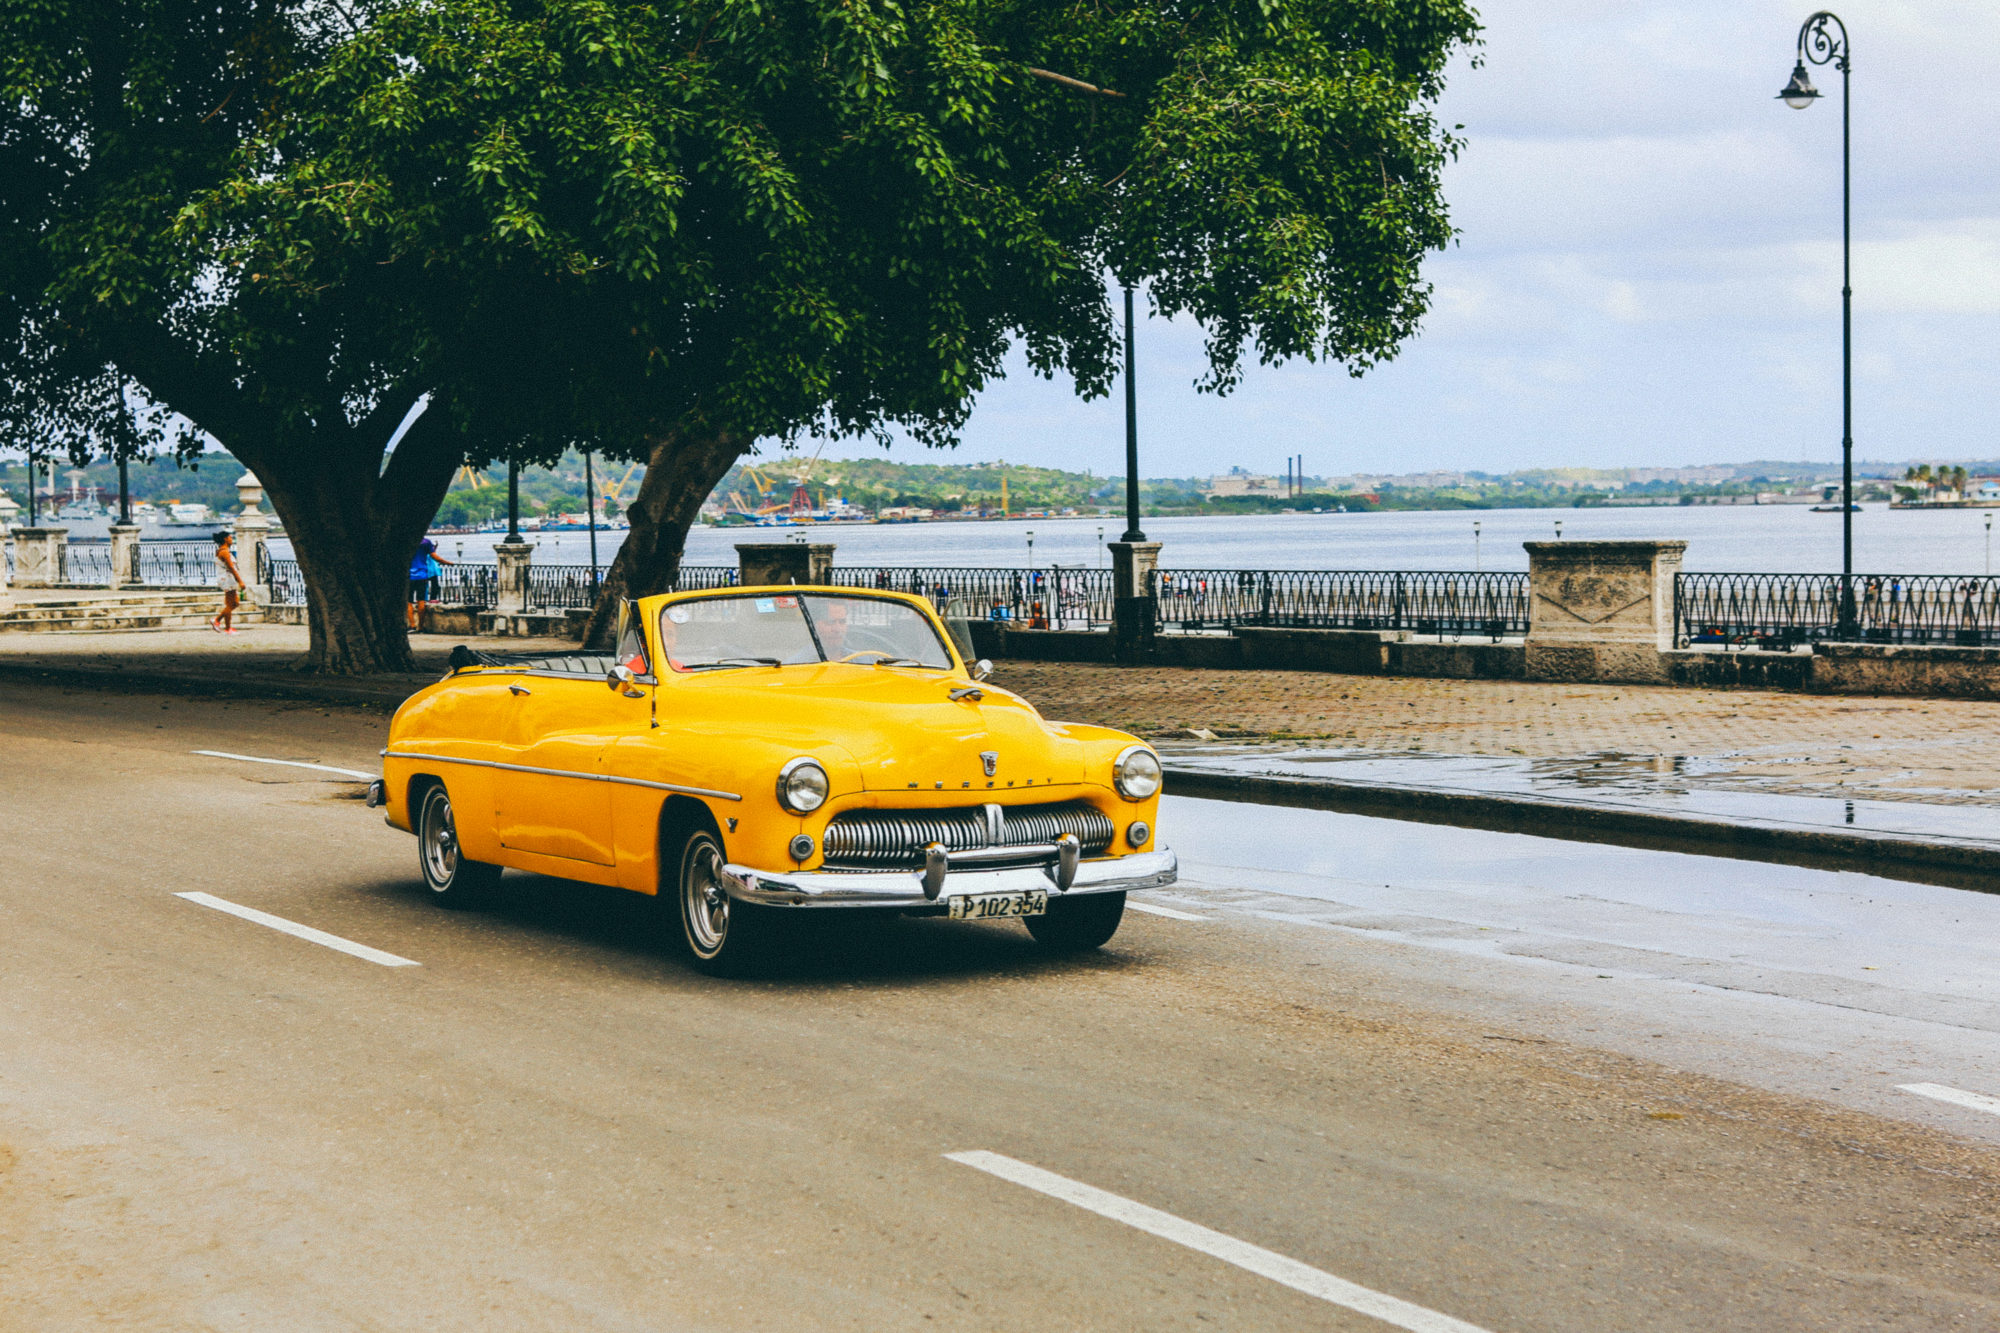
(1240, 482)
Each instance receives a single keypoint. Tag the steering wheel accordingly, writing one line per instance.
(867, 652)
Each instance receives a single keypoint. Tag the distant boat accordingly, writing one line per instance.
(1835, 509)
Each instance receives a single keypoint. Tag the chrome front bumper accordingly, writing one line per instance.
(905, 888)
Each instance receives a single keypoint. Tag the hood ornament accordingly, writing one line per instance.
(990, 761)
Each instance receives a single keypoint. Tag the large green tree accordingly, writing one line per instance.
(114, 118)
(668, 230)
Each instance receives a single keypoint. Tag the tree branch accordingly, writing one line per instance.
(1067, 82)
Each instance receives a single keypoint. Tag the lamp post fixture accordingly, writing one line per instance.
(1475, 546)
(1100, 546)
(1823, 41)
(1132, 532)
(513, 502)
(590, 518)
(1989, 542)
(1031, 549)
(1559, 529)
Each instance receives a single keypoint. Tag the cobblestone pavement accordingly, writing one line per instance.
(1933, 750)
(1942, 751)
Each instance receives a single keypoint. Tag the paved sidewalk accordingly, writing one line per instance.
(1939, 751)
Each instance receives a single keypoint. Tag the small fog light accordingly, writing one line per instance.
(1136, 834)
(802, 847)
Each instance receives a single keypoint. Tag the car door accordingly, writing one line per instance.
(552, 798)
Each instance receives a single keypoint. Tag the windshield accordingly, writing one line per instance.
(718, 633)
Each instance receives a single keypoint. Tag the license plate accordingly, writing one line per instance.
(991, 906)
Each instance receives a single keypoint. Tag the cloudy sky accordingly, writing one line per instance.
(1649, 271)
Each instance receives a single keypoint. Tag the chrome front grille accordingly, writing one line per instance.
(891, 839)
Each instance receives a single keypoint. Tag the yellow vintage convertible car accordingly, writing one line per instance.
(751, 752)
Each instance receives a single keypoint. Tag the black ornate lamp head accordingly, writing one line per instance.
(1799, 93)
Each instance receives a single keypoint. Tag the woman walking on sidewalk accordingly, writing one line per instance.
(228, 582)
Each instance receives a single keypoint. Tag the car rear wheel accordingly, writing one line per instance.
(723, 937)
(1075, 925)
(452, 879)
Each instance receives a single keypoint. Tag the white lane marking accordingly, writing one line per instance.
(303, 932)
(288, 763)
(1138, 906)
(1263, 1262)
(1956, 1096)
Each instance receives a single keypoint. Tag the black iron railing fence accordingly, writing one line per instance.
(550, 587)
(1442, 602)
(1787, 610)
(175, 564)
(1054, 598)
(1741, 610)
(83, 565)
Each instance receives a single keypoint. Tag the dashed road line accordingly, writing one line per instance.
(1265, 1263)
(319, 937)
(1157, 910)
(1956, 1096)
(287, 763)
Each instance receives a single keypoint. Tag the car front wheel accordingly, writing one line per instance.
(1075, 925)
(723, 937)
(453, 880)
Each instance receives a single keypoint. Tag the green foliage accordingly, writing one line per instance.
(612, 221)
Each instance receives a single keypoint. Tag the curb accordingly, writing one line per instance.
(1959, 865)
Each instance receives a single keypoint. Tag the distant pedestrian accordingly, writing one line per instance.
(228, 582)
(424, 570)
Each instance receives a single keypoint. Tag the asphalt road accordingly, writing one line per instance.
(549, 1123)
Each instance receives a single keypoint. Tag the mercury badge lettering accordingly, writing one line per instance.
(751, 752)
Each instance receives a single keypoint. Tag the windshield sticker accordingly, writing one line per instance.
(767, 604)
(678, 614)
(787, 602)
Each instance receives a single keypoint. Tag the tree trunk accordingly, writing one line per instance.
(685, 466)
(354, 525)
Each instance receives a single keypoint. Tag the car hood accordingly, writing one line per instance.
(900, 727)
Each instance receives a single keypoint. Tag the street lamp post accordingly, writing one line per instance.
(513, 502)
(1559, 529)
(1989, 543)
(1475, 546)
(1031, 550)
(1823, 41)
(1133, 531)
(590, 518)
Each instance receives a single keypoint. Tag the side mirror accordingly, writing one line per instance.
(981, 669)
(620, 678)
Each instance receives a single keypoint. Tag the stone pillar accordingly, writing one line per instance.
(253, 530)
(38, 556)
(1601, 610)
(510, 597)
(124, 555)
(1132, 566)
(766, 564)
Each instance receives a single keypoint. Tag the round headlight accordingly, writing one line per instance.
(1136, 775)
(802, 786)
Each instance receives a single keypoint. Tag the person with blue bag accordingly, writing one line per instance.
(425, 566)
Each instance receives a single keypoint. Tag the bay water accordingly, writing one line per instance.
(1720, 538)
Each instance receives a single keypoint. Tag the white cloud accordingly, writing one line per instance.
(1649, 266)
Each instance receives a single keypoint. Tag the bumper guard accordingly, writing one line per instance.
(906, 888)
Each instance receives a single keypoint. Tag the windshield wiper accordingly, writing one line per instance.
(725, 663)
(897, 661)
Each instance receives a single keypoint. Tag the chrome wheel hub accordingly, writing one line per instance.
(704, 904)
